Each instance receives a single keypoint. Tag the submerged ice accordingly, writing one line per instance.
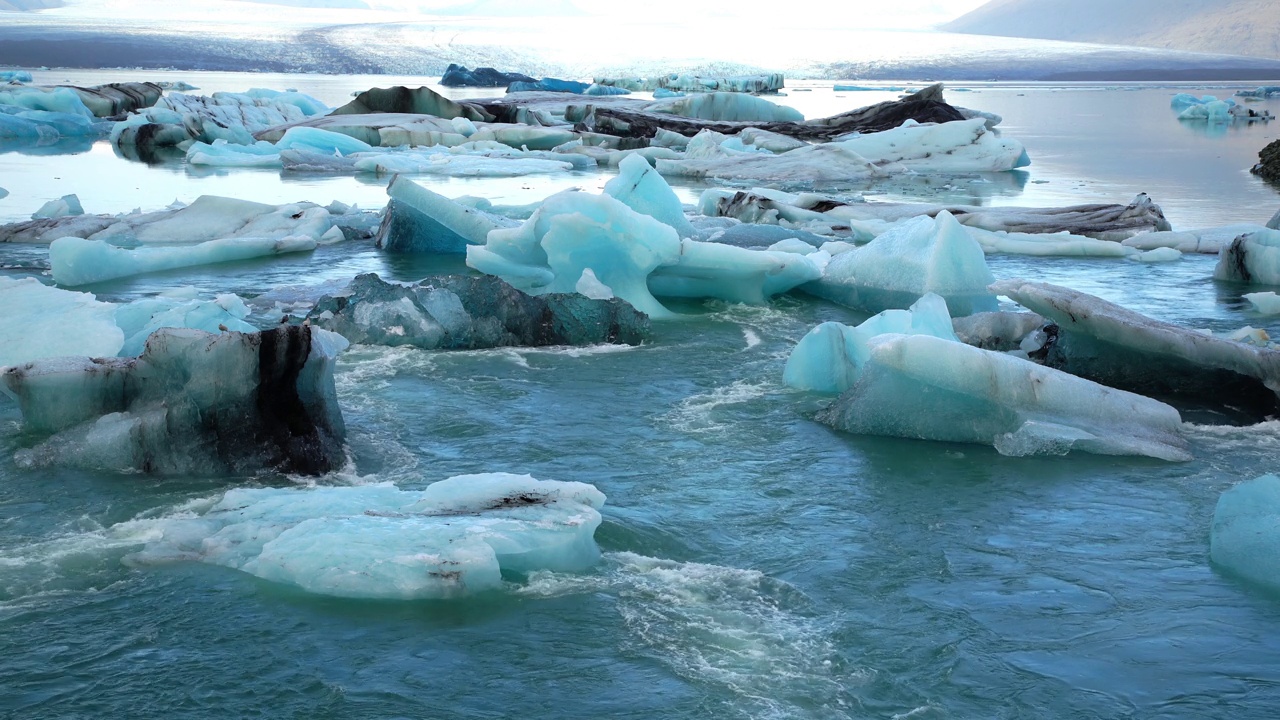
(451, 539)
(1245, 539)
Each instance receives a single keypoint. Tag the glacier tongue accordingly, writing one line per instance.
(454, 538)
(192, 404)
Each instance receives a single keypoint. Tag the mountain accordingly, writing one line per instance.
(1234, 27)
(28, 5)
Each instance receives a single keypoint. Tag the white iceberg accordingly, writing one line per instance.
(1251, 258)
(451, 539)
(76, 261)
(41, 322)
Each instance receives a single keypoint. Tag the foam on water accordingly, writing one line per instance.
(697, 413)
(738, 630)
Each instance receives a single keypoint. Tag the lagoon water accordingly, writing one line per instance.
(756, 564)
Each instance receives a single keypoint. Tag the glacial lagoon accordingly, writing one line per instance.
(755, 563)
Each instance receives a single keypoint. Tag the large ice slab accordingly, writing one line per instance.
(41, 322)
(960, 146)
(830, 357)
(459, 76)
(1209, 241)
(1245, 538)
(1121, 348)
(209, 217)
(418, 101)
(1251, 258)
(180, 308)
(728, 107)
(929, 388)
(193, 403)
(177, 118)
(919, 256)
(451, 539)
(77, 261)
(462, 312)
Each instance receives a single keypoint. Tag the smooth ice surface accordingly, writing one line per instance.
(77, 261)
(1245, 539)
(194, 403)
(959, 146)
(919, 256)
(452, 539)
(928, 388)
(42, 322)
(1209, 241)
(1252, 258)
(830, 358)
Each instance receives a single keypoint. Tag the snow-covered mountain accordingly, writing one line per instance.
(1236, 27)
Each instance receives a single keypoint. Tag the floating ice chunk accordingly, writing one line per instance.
(220, 153)
(1201, 240)
(234, 117)
(1057, 244)
(212, 218)
(590, 286)
(21, 76)
(42, 322)
(959, 146)
(458, 76)
(321, 141)
(1109, 344)
(770, 83)
(192, 404)
(140, 318)
(3, 193)
(663, 93)
(919, 256)
(57, 100)
(463, 126)
(1267, 303)
(76, 261)
(457, 165)
(549, 85)
(830, 357)
(728, 107)
(1251, 258)
(1159, 255)
(733, 274)
(1245, 539)
(60, 207)
(45, 127)
(574, 231)
(418, 220)
(454, 538)
(933, 389)
(462, 312)
(1000, 331)
(642, 189)
(829, 162)
(596, 89)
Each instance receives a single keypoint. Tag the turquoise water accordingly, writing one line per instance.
(756, 564)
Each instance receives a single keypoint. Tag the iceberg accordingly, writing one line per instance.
(458, 76)
(456, 312)
(64, 206)
(574, 231)
(234, 117)
(830, 357)
(1245, 538)
(209, 217)
(1106, 343)
(193, 403)
(960, 146)
(177, 309)
(728, 107)
(1209, 241)
(1005, 332)
(36, 318)
(546, 84)
(77, 261)
(928, 388)
(1251, 258)
(641, 188)
(43, 127)
(919, 256)
(454, 538)
(1267, 303)
(732, 274)
(418, 220)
